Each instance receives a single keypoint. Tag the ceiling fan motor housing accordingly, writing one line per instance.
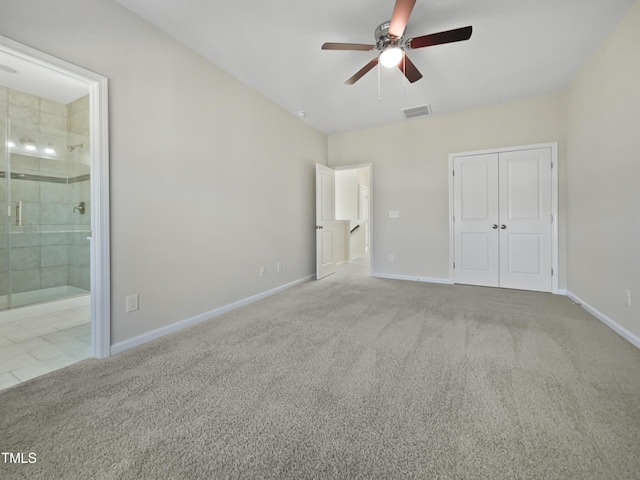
(382, 36)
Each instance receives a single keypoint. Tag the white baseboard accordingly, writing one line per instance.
(174, 327)
(413, 278)
(619, 329)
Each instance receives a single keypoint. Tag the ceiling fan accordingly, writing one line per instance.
(392, 46)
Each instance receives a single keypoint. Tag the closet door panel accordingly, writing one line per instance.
(525, 219)
(476, 213)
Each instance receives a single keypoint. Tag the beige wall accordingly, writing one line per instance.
(209, 180)
(347, 195)
(595, 120)
(603, 181)
(410, 174)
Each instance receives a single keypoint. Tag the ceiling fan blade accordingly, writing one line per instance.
(348, 46)
(361, 73)
(448, 36)
(410, 71)
(400, 17)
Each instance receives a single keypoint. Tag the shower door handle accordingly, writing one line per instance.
(19, 213)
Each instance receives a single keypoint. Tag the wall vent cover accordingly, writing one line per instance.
(421, 111)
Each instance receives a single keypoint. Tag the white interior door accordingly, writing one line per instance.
(525, 219)
(325, 220)
(475, 186)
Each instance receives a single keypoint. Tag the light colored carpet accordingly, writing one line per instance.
(348, 377)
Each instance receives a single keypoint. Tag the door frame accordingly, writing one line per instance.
(554, 204)
(370, 166)
(97, 86)
(367, 233)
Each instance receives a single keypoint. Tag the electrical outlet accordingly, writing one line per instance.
(627, 297)
(392, 258)
(262, 271)
(279, 267)
(132, 303)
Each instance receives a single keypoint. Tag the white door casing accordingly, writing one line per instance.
(515, 188)
(363, 213)
(325, 221)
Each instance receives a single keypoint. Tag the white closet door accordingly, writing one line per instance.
(525, 219)
(476, 218)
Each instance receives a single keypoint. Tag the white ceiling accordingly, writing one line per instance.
(25, 76)
(519, 48)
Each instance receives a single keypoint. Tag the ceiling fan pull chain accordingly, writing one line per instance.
(379, 96)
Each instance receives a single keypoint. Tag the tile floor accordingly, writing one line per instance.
(35, 346)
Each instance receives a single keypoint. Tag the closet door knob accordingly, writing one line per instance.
(503, 227)
(494, 226)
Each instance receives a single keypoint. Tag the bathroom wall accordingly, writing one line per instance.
(78, 161)
(46, 251)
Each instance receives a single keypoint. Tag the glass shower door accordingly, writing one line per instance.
(29, 144)
(4, 193)
(44, 250)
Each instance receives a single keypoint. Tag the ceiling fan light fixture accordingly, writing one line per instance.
(390, 57)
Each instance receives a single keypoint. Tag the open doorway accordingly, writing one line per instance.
(353, 211)
(54, 254)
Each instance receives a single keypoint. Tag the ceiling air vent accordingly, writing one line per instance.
(421, 111)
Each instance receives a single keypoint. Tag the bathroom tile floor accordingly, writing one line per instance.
(35, 346)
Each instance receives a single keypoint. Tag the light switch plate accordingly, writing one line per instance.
(132, 303)
(394, 214)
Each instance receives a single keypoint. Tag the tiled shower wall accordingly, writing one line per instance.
(78, 134)
(50, 248)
